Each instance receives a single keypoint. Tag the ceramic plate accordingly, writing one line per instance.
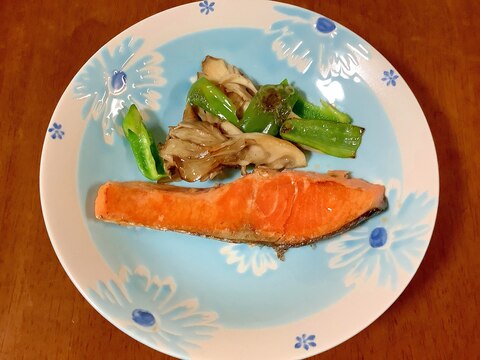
(199, 298)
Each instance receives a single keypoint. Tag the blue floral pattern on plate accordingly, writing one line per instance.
(146, 306)
(307, 292)
(305, 342)
(111, 81)
(386, 244)
(247, 258)
(390, 77)
(304, 38)
(206, 7)
(56, 131)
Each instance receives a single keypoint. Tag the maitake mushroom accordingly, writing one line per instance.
(238, 87)
(200, 150)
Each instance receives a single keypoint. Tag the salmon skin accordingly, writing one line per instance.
(279, 209)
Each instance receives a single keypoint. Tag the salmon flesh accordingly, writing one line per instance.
(279, 209)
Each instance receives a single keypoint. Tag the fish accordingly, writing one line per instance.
(280, 209)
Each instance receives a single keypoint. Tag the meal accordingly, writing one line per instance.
(230, 122)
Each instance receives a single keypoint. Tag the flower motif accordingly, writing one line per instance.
(56, 131)
(254, 258)
(305, 342)
(113, 80)
(390, 77)
(146, 307)
(304, 37)
(385, 245)
(206, 7)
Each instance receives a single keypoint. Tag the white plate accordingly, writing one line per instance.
(198, 298)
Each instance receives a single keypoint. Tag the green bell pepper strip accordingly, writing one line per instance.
(333, 138)
(293, 98)
(207, 96)
(326, 111)
(143, 146)
(269, 108)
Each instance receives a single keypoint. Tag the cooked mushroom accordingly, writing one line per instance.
(239, 88)
(220, 72)
(206, 116)
(200, 150)
(271, 152)
(189, 114)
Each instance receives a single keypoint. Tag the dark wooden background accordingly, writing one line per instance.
(433, 44)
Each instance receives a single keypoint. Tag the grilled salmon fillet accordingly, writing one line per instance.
(280, 209)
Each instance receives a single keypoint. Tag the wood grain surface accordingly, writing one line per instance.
(433, 44)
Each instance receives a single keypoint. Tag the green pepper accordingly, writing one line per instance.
(143, 146)
(333, 138)
(326, 111)
(207, 96)
(293, 97)
(269, 108)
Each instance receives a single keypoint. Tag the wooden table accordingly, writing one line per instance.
(433, 44)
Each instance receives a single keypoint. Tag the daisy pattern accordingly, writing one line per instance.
(305, 341)
(386, 245)
(390, 77)
(113, 80)
(147, 308)
(304, 37)
(206, 7)
(248, 258)
(56, 131)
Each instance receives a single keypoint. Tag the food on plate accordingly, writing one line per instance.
(239, 88)
(200, 150)
(143, 146)
(326, 111)
(335, 138)
(269, 108)
(229, 122)
(279, 209)
(210, 98)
